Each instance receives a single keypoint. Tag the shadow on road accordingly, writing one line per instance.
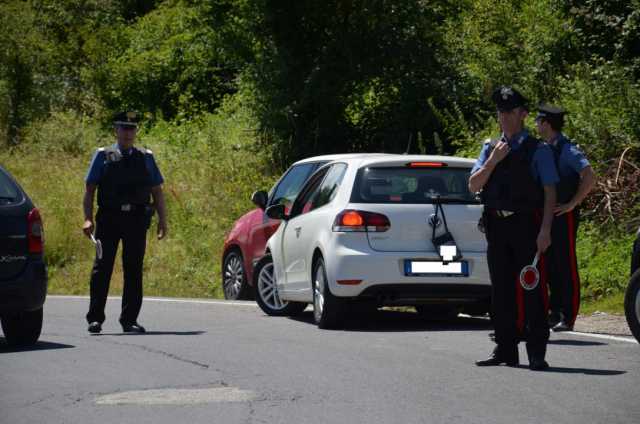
(154, 333)
(399, 321)
(585, 371)
(41, 345)
(566, 342)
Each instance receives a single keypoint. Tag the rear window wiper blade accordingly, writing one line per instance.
(7, 198)
(448, 200)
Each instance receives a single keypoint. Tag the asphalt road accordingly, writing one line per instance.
(217, 362)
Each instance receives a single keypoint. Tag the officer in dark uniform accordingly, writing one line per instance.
(517, 177)
(576, 181)
(126, 178)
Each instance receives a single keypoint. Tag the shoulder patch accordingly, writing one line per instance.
(148, 151)
(101, 149)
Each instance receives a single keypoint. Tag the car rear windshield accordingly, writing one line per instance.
(8, 191)
(406, 185)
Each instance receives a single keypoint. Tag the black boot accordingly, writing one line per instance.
(502, 354)
(536, 357)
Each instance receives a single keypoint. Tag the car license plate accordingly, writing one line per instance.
(436, 268)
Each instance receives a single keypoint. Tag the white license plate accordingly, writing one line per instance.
(431, 268)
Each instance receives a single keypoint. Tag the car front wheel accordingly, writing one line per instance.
(266, 291)
(632, 304)
(234, 277)
(328, 310)
(23, 328)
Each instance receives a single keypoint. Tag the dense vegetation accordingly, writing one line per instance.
(231, 87)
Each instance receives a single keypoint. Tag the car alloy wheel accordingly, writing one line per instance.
(328, 310)
(267, 289)
(319, 284)
(233, 277)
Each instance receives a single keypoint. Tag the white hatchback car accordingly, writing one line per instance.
(394, 230)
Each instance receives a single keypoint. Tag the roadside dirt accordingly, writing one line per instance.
(603, 323)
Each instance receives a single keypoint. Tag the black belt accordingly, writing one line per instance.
(127, 208)
(501, 213)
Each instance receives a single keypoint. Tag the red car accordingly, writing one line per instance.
(245, 243)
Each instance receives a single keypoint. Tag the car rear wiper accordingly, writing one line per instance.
(450, 200)
(7, 198)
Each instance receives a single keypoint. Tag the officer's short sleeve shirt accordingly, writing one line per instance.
(482, 158)
(571, 159)
(542, 164)
(94, 174)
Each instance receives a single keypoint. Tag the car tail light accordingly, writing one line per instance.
(35, 233)
(351, 220)
(349, 282)
(426, 164)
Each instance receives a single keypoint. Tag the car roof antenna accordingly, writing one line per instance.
(408, 144)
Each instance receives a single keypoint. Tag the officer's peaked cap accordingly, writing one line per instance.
(126, 119)
(550, 111)
(508, 98)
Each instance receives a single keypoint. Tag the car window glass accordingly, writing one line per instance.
(308, 193)
(329, 187)
(8, 190)
(412, 185)
(289, 186)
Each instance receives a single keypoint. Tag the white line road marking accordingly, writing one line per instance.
(604, 336)
(167, 300)
(253, 305)
(177, 396)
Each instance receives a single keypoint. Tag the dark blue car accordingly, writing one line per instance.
(23, 275)
(632, 298)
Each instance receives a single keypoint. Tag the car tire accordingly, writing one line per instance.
(234, 277)
(266, 291)
(632, 304)
(328, 310)
(22, 328)
(437, 312)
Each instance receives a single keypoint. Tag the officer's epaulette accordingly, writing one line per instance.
(101, 149)
(147, 151)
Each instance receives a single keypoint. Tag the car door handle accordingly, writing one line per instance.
(297, 230)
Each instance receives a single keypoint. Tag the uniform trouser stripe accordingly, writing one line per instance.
(573, 263)
(520, 306)
(544, 285)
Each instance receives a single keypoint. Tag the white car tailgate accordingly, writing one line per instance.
(411, 230)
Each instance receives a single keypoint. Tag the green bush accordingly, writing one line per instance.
(603, 102)
(604, 255)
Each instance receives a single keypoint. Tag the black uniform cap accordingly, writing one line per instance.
(508, 98)
(549, 111)
(126, 119)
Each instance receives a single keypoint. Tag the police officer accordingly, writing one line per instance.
(576, 181)
(517, 177)
(126, 178)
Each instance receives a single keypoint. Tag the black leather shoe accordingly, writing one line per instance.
(538, 364)
(133, 328)
(95, 327)
(555, 317)
(499, 357)
(562, 326)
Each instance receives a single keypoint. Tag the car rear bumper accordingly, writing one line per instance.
(26, 292)
(382, 276)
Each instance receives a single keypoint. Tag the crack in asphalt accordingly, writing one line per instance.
(156, 351)
(37, 401)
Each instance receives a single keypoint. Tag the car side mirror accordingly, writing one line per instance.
(259, 198)
(277, 212)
